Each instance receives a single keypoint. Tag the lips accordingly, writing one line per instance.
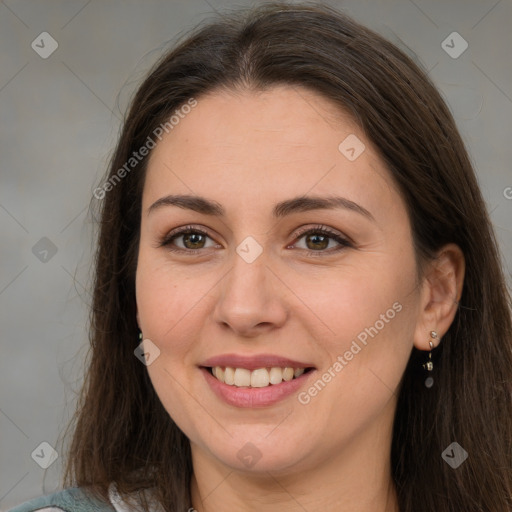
(254, 362)
(257, 381)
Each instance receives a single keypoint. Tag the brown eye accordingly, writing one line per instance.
(193, 240)
(187, 240)
(317, 242)
(322, 240)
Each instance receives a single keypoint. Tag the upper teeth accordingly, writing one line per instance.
(259, 378)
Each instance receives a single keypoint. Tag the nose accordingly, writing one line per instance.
(251, 298)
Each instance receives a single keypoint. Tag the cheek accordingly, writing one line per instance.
(372, 316)
(163, 298)
(358, 297)
(369, 314)
(168, 307)
(172, 304)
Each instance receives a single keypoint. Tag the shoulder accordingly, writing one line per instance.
(72, 499)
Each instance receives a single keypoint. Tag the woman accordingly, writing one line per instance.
(298, 301)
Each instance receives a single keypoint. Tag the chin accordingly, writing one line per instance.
(254, 452)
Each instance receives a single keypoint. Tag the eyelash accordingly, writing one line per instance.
(323, 230)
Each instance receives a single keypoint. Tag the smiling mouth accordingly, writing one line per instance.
(259, 378)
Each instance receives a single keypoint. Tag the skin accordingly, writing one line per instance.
(247, 151)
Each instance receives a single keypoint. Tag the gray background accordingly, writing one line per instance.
(59, 121)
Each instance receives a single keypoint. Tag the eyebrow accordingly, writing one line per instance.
(282, 209)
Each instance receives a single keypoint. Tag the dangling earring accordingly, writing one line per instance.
(140, 336)
(429, 365)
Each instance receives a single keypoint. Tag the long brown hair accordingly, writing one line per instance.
(123, 434)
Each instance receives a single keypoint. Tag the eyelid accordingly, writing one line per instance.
(327, 230)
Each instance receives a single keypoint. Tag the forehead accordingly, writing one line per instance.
(245, 146)
(276, 117)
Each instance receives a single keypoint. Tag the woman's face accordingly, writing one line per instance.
(297, 253)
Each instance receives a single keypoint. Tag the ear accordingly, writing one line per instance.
(441, 291)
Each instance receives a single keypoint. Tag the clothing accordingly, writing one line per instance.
(75, 499)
